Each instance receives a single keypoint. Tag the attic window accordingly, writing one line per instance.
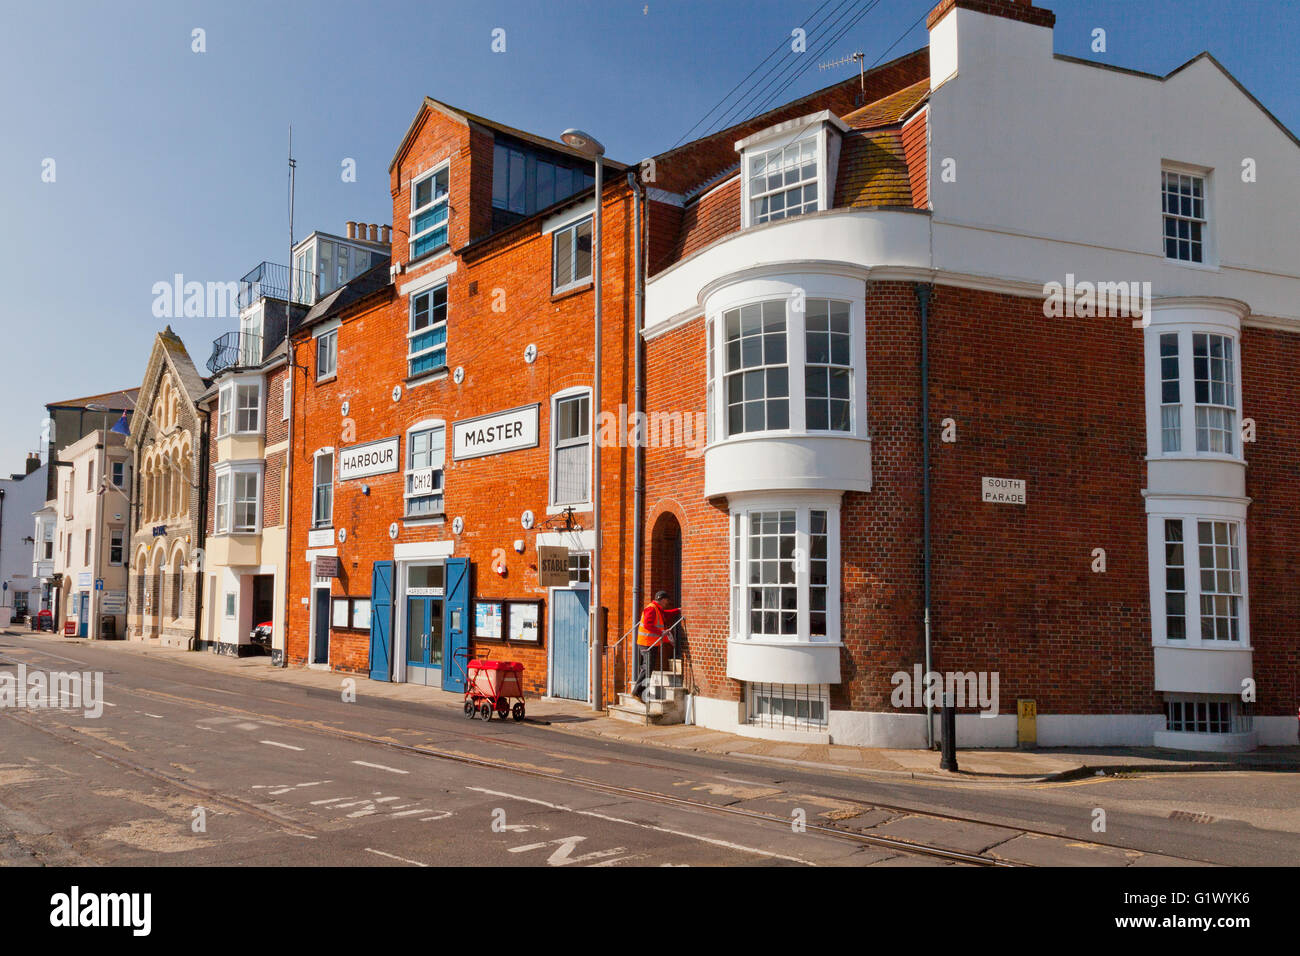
(429, 207)
(782, 181)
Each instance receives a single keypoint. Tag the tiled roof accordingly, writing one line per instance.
(711, 217)
(873, 170)
(117, 401)
(888, 110)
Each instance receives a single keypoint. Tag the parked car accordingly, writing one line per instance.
(261, 636)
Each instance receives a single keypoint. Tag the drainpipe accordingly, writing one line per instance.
(638, 483)
(286, 481)
(201, 533)
(923, 300)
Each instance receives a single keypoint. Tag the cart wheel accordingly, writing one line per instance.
(469, 708)
(503, 708)
(486, 711)
(518, 711)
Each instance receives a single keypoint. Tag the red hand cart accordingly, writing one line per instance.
(490, 686)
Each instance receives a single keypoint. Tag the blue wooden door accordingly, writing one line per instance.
(83, 616)
(569, 646)
(456, 623)
(381, 621)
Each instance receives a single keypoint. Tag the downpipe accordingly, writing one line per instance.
(923, 302)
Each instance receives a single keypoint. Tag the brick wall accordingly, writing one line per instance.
(1268, 362)
(1013, 590)
(499, 302)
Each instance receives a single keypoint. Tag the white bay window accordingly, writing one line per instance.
(1202, 598)
(785, 573)
(238, 498)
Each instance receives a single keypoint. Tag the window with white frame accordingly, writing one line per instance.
(572, 255)
(1171, 408)
(782, 568)
(1220, 565)
(828, 374)
(221, 513)
(116, 538)
(239, 409)
(426, 455)
(1204, 585)
(238, 499)
(571, 449)
(429, 212)
(1175, 581)
(579, 569)
(1183, 203)
(322, 509)
(757, 376)
(118, 474)
(426, 349)
(783, 181)
(1215, 392)
(248, 408)
(327, 354)
(711, 407)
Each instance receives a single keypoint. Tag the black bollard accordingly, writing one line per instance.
(948, 754)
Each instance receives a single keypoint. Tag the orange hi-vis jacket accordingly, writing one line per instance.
(651, 631)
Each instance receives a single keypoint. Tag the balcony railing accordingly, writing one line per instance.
(265, 281)
(235, 350)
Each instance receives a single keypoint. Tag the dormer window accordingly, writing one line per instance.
(789, 169)
(429, 208)
(783, 181)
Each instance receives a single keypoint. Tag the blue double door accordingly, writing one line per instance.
(434, 624)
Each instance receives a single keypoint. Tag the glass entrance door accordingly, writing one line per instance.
(424, 640)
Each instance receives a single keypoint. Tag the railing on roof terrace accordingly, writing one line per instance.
(235, 350)
(266, 280)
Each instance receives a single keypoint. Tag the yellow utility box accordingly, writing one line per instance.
(1026, 723)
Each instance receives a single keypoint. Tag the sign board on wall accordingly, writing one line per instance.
(372, 458)
(327, 566)
(496, 433)
(1003, 491)
(320, 538)
(552, 566)
(523, 621)
(113, 602)
(487, 620)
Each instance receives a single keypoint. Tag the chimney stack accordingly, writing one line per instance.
(33, 462)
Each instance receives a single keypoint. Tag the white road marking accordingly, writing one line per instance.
(388, 800)
(154, 716)
(276, 743)
(563, 853)
(317, 803)
(398, 858)
(645, 826)
(379, 766)
(441, 816)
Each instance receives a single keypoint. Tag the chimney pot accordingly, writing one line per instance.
(352, 229)
(387, 235)
(374, 232)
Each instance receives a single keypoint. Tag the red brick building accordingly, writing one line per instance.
(851, 291)
(1086, 338)
(449, 433)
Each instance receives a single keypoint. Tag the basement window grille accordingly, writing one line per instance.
(1207, 717)
(788, 706)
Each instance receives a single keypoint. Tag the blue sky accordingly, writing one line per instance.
(169, 161)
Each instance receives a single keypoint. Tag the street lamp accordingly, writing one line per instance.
(590, 147)
(92, 626)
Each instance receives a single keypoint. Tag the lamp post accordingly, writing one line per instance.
(590, 147)
(92, 626)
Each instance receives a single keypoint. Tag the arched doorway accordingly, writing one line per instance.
(155, 595)
(666, 557)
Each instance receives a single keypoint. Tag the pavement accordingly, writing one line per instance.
(1029, 766)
